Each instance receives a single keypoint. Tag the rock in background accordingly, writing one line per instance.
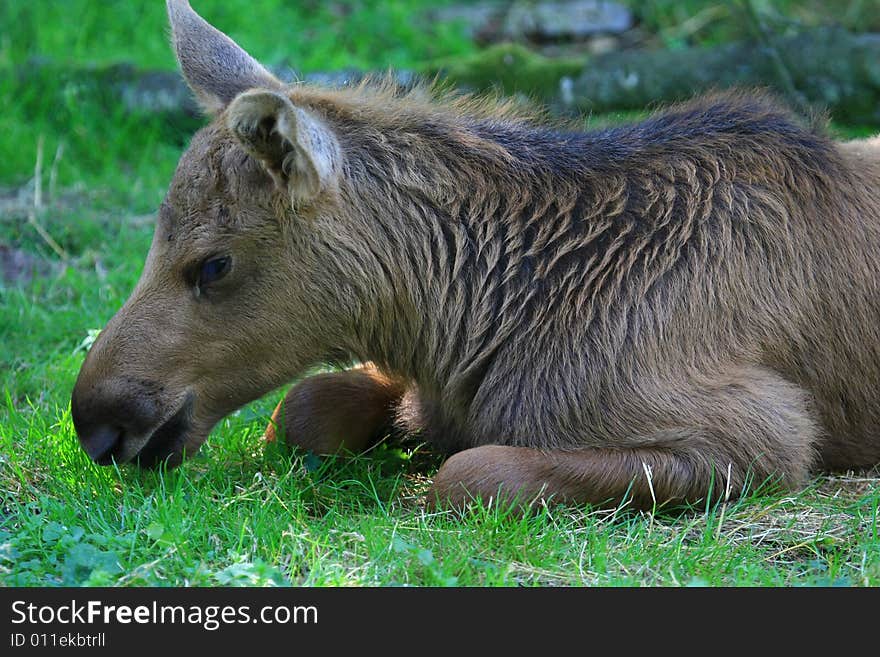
(539, 22)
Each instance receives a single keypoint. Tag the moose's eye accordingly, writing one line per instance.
(213, 269)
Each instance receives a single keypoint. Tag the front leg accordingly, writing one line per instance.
(337, 411)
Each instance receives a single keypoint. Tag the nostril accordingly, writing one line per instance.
(100, 442)
(110, 414)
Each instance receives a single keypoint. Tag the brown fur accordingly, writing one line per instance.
(665, 312)
(337, 412)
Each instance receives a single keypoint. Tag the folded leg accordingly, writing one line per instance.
(332, 412)
(743, 428)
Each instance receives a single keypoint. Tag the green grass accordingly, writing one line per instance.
(245, 513)
(242, 512)
(682, 23)
(307, 34)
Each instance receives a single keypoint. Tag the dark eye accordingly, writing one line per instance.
(213, 269)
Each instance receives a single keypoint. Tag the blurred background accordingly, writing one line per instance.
(98, 78)
(95, 115)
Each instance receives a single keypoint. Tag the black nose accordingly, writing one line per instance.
(109, 412)
(100, 442)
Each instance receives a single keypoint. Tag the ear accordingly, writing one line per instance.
(299, 151)
(216, 68)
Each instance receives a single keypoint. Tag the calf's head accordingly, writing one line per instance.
(231, 269)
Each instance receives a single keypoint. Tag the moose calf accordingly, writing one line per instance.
(665, 312)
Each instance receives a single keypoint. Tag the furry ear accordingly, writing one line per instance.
(216, 68)
(299, 151)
